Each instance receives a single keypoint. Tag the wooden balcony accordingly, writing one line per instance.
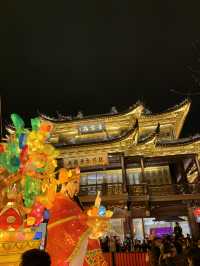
(171, 192)
(106, 189)
(110, 192)
(113, 192)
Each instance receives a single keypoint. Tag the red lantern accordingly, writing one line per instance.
(196, 212)
(10, 217)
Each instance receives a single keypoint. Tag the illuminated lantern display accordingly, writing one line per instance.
(196, 212)
(28, 188)
(27, 166)
(10, 217)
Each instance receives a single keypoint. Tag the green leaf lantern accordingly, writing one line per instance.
(27, 196)
(18, 122)
(35, 123)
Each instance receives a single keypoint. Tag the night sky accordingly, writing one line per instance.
(90, 55)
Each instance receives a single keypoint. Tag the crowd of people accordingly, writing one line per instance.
(175, 250)
(169, 250)
(172, 251)
(166, 251)
(115, 244)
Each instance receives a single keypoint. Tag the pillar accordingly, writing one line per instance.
(198, 166)
(184, 179)
(128, 226)
(142, 169)
(124, 176)
(143, 228)
(183, 173)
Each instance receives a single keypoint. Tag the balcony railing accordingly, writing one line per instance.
(170, 189)
(140, 189)
(106, 189)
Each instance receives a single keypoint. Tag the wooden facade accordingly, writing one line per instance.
(136, 159)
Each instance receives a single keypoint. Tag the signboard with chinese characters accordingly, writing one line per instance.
(91, 128)
(90, 160)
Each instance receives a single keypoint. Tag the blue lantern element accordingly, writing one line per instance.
(46, 215)
(38, 236)
(102, 210)
(22, 140)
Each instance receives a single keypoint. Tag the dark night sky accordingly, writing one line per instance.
(91, 55)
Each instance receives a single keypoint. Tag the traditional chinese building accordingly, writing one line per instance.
(136, 158)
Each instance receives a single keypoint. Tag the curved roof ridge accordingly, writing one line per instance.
(68, 120)
(180, 141)
(171, 109)
(150, 136)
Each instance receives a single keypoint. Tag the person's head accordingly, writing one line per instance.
(193, 256)
(35, 257)
(173, 252)
(157, 242)
(177, 224)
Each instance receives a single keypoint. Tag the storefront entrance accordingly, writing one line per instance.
(145, 227)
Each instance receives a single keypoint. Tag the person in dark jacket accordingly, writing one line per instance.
(177, 231)
(155, 251)
(35, 257)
